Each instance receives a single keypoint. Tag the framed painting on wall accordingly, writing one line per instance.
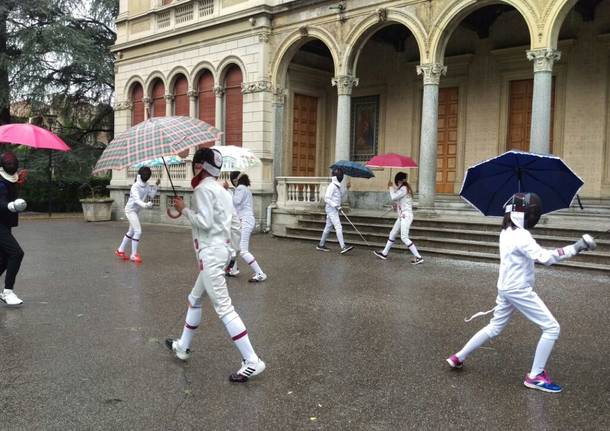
(364, 128)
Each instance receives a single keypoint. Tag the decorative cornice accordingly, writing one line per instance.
(432, 72)
(544, 58)
(345, 84)
(255, 87)
(219, 91)
(126, 105)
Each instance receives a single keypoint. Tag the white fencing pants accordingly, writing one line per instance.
(332, 220)
(531, 306)
(402, 226)
(133, 234)
(248, 224)
(211, 281)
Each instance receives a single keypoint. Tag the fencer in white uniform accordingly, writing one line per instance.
(243, 203)
(518, 253)
(211, 223)
(139, 193)
(402, 198)
(335, 193)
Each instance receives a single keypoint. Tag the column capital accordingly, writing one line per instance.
(543, 58)
(169, 97)
(219, 90)
(345, 84)
(432, 72)
(146, 100)
(279, 97)
(192, 94)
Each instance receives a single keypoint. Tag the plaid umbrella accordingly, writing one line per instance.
(153, 138)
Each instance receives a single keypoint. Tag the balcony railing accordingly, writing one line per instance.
(301, 192)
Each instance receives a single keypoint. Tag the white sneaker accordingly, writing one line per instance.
(257, 278)
(9, 298)
(248, 370)
(175, 347)
(233, 272)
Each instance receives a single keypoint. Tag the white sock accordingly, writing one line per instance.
(237, 330)
(473, 344)
(126, 239)
(7, 291)
(414, 250)
(543, 351)
(251, 260)
(192, 321)
(388, 246)
(134, 246)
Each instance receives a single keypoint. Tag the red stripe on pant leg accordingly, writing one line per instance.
(190, 326)
(238, 336)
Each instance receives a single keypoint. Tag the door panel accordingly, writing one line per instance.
(304, 132)
(447, 140)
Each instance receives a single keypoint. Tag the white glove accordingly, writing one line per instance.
(339, 208)
(17, 206)
(585, 243)
(149, 204)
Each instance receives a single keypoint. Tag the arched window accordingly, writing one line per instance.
(207, 99)
(137, 113)
(158, 96)
(234, 107)
(181, 98)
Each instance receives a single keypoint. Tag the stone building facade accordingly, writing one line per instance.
(303, 83)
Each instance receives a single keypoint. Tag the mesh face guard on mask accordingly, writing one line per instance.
(338, 172)
(9, 163)
(525, 209)
(211, 161)
(144, 173)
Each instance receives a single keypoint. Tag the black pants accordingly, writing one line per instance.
(11, 256)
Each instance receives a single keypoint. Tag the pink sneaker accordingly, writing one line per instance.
(136, 258)
(121, 254)
(454, 362)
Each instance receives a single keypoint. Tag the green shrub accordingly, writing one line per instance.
(65, 195)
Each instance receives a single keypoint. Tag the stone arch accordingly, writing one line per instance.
(292, 43)
(149, 81)
(173, 75)
(361, 34)
(450, 18)
(224, 66)
(136, 79)
(553, 19)
(204, 66)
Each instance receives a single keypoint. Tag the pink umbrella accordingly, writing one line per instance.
(391, 160)
(31, 136)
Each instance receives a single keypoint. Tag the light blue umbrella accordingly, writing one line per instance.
(158, 162)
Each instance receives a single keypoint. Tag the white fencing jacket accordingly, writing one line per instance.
(139, 192)
(518, 253)
(213, 218)
(404, 202)
(242, 200)
(335, 193)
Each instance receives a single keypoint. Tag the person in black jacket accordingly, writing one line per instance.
(11, 253)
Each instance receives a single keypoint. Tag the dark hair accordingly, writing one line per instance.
(244, 180)
(507, 222)
(401, 176)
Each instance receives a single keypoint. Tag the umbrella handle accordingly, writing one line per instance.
(172, 216)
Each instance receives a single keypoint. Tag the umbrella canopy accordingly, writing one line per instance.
(237, 158)
(391, 160)
(489, 184)
(31, 136)
(353, 169)
(154, 138)
(158, 162)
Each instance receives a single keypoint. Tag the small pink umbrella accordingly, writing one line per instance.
(392, 161)
(31, 136)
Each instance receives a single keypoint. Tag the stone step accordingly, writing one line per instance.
(473, 256)
(456, 244)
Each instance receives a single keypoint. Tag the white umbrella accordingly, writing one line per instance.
(237, 158)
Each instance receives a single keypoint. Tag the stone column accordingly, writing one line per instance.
(540, 132)
(279, 99)
(169, 105)
(344, 84)
(219, 91)
(192, 103)
(146, 101)
(429, 133)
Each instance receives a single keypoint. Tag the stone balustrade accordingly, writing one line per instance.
(301, 192)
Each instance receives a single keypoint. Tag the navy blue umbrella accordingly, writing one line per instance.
(489, 184)
(353, 169)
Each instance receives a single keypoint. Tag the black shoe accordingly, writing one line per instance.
(417, 260)
(322, 248)
(380, 255)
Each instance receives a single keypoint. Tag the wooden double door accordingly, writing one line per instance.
(446, 151)
(304, 135)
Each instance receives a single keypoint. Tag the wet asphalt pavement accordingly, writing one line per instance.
(351, 342)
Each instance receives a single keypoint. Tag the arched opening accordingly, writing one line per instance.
(233, 106)
(206, 98)
(135, 96)
(181, 98)
(485, 100)
(158, 98)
